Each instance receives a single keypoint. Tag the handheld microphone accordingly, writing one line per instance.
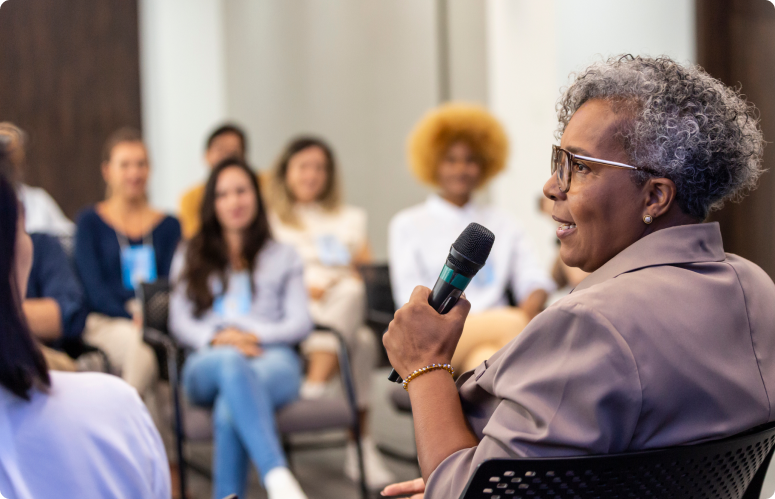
(467, 256)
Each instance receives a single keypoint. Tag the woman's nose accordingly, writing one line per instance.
(552, 189)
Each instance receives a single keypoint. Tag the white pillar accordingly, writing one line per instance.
(183, 90)
(532, 48)
(522, 91)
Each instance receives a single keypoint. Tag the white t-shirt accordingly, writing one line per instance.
(419, 241)
(90, 436)
(43, 214)
(327, 241)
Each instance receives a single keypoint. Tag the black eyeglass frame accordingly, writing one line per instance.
(564, 172)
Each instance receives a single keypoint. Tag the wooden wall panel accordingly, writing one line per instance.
(69, 76)
(736, 43)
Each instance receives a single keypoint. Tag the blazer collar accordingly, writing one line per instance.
(694, 243)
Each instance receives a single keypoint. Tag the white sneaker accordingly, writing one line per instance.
(317, 391)
(281, 484)
(378, 475)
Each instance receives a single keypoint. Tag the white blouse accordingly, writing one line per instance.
(90, 436)
(42, 213)
(419, 241)
(326, 240)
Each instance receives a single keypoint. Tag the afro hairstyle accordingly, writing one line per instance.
(451, 123)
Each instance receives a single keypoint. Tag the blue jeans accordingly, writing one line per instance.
(245, 393)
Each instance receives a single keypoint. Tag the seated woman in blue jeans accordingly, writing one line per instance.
(240, 302)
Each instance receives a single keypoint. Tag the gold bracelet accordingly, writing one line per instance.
(427, 369)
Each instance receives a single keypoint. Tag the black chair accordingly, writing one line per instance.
(75, 347)
(195, 423)
(732, 468)
(380, 307)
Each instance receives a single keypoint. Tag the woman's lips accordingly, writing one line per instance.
(565, 230)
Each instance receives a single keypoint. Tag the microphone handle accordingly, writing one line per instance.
(442, 299)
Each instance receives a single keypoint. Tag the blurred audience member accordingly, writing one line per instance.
(226, 141)
(120, 243)
(239, 301)
(63, 434)
(42, 214)
(457, 148)
(331, 239)
(54, 304)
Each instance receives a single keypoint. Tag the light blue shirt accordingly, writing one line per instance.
(277, 311)
(89, 436)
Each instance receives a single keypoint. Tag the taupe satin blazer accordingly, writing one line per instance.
(670, 342)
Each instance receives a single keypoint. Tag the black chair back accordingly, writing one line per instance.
(731, 468)
(380, 307)
(155, 298)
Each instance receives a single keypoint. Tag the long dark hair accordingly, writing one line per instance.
(207, 253)
(21, 363)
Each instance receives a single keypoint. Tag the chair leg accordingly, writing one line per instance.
(287, 449)
(361, 466)
(172, 371)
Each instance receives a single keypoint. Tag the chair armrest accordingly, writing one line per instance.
(157, 339)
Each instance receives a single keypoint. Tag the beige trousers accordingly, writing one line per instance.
(485, 333)
(57, 361)
(122, 342)
(343, 308)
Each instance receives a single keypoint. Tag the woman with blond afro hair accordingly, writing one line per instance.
(456, 149)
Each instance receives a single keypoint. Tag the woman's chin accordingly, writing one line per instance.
(570, 257)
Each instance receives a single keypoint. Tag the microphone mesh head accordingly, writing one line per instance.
(475, 243)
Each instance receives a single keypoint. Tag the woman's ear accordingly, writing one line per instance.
(660, 196)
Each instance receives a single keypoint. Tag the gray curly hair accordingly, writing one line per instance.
(682, 124)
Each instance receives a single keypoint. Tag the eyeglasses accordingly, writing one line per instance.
(562, 162)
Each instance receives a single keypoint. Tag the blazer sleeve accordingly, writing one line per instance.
(296, 322)
(189, 330)
(568, 385)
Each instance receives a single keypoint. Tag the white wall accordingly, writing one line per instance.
(182, 78)
(532, 47)
(358, 74)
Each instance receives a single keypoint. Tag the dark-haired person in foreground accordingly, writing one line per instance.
(668, 342)
(63, 434)
(226, 141)
(240, 303)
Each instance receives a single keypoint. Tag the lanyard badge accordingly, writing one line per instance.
(237, 299)
(138, 265)
(331, 251)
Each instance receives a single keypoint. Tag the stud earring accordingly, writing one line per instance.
(647, 219)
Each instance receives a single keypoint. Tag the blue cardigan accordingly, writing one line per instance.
(98, 260)
(52, 276)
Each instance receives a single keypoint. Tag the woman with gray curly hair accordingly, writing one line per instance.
(666, 343)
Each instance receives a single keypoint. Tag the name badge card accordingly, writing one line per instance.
(332, 252)
(138, 265)
(237, 299)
